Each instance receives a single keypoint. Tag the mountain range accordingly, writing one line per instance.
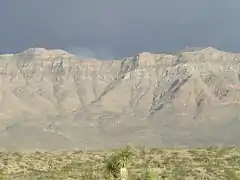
(51, 99)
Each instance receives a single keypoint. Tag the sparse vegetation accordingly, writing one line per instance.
(129, 163)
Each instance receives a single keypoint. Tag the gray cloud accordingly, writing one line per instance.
(110, 28)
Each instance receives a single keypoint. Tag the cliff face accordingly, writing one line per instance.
(52, 99)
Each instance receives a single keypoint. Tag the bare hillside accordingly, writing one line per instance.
(51, 99)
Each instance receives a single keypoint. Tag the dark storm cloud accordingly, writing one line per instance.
(110, 28)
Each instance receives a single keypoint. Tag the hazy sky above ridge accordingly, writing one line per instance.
(107, 28)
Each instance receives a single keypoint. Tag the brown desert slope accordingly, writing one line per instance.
(51, 99)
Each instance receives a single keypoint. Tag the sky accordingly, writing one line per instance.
(118, 28)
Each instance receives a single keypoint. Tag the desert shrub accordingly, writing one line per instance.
(116, 165)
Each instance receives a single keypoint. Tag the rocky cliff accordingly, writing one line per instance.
(51, 99)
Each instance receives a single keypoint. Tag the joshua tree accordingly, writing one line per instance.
(116, 165)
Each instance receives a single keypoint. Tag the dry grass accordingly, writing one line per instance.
(212, 163)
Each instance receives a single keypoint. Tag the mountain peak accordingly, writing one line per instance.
(44, 53)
